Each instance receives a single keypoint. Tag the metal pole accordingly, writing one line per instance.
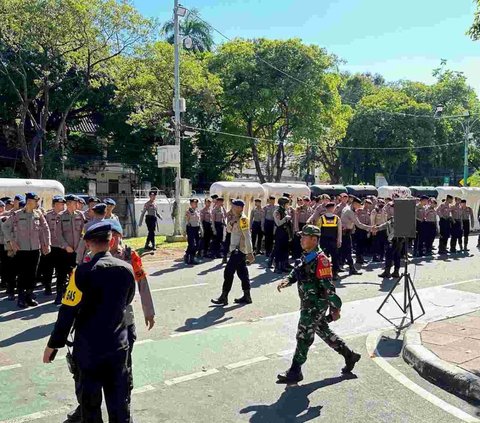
(465, 153)
(177, 230)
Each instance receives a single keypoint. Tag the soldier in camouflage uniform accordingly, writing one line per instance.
(313, 275)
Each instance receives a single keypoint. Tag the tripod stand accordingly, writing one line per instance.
(409, 294)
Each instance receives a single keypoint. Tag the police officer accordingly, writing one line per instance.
(111, 204)
(241, 254)
(28, 236)
(150, 212)
(98, 213)
(457, 231)
(361, 236)
(420, 240)
(54, 260)
(91, 202)
(378, 217)
(3, 283)
(342, 204)
(331, 236)
(395, 249)
(96, 299)
(283, 235)
(268, 225)
(218, 225)
(313, 275)
(430, 225)
(193, 231)
(256, 219)
(319, 210)
(467, 220)
(69, 230)
(445, 214)
(229, 220)
(206, 219)
(300, 217)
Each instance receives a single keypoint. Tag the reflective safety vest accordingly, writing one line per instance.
(329, 226)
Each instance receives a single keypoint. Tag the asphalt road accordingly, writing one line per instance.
(206, 364)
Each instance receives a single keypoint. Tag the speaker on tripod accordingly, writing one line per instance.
(404, 227)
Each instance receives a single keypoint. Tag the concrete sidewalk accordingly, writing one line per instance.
(447, 352)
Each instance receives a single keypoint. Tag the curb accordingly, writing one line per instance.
(428, 365)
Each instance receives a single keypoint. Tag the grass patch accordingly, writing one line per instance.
(160, 242)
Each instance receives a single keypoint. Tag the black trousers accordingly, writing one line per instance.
(456, 234)
(281, 245)
(151, 222)
(27, 263)
(207, 236)
(394, 253)
(361, 238)
(55, 260)
(226, 244)
(65, 269)
(346, 248)
(445, 230)
(217, 245)
(329, 246)
(110, 374)
(193, 239)
(466, 232)
(430, 234)
(269, 227)
(419, 245)
(237, 263)
(257, 236)
(7, 270)
(379, 243)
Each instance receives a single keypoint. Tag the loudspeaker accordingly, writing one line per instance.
(405, 219)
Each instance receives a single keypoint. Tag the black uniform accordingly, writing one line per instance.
(329, 237)
(96, 298)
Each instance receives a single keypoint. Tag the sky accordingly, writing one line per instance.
(400, 39)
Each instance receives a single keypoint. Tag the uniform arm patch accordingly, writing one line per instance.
(137, 267)
(72, 296)
(243, 224)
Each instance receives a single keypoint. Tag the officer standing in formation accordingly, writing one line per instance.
(268, 225)
(445, 215)
(241, 254)
(96, 300)
(193, 231)
(27, 236)
(109, 214)
(467, 222)
(256, 219)
(218, 226)
(313, 276)
(283, 235)
(150, 213)
(206, 219)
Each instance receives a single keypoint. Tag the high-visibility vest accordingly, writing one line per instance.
(329, 226)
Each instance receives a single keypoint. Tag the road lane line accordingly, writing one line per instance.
(229, 325)
(11, 366)
(38, 415)
(143, 389)
(246, 362)
(191, 376)
(171, 288)
(371, 344)
(143, 341)
(190, 332)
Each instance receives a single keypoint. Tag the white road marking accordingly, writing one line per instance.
(277, 316)
(246, 362)
(190, 332)
(371, 344)
(171, 288)
(142, 389)
(229, 325)
(285, 353)
(143, 341)
(11, 366)
(459, 283)
(191, 376)
(38, 415)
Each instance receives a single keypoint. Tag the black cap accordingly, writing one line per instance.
(31, 196)
(110, 202)
(71, 197)
(4, 199)
(328, 205)
(214, 196)
(98, 230)
(357, 200)
(8, 201)
(271, 197)
(100, 208)
(81, 200)
(193, 200)
(283, 200)
(58, 199)
(219, 198)
(238, 202)
(152, 192)
(19, 197)
(449, 197)
(22, 203)
(463, 201)
(257, 200)
(424, 197)
(286, 194)
(93, 200)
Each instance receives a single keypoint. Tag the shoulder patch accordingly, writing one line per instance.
(243, 223)
(73, 295)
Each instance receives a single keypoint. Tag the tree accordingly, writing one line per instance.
(51, 53)
(193, 27)
(474, 31)
(278, 93)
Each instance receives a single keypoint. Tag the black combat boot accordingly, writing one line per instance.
(270, 262)
(48, 291)
(292, 375)
(386, 273)
(30, 300)
(193, 259)
(186, 258)
(351, 358)
(21, 300)
(11, 296)
(222, 300)
(353, 271)
(75, 416)
(246, 299)
(396, 273)
(278, 267)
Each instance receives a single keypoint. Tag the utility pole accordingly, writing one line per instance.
(176, 229)
(465, 152)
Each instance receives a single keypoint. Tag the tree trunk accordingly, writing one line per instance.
(255, 156)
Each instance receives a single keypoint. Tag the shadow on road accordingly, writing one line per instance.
(214, 316)
(170, 269)
(45, 306)
(293, 406)
(28, 335)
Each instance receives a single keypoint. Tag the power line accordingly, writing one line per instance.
(337, 147)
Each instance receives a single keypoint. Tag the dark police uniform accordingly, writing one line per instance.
(96, 299)
(330, 227)
(193, 230)
(268, 226)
